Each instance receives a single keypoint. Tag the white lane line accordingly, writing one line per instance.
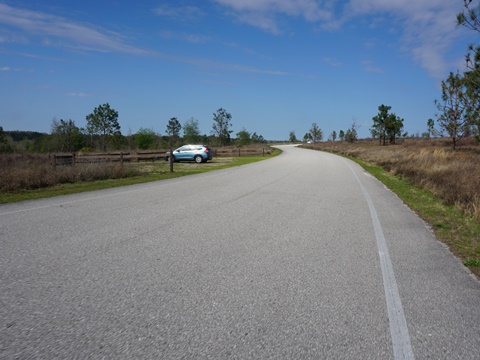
(402, 348)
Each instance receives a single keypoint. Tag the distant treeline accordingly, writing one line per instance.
(24, 135)
(103, 132)
(37, 142)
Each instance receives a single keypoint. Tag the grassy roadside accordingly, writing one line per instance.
(149, 172)
(461, 233)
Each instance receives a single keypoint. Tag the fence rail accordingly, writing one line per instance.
(89, 158)
(136, 156)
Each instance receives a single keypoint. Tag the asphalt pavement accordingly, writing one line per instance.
(302, 256)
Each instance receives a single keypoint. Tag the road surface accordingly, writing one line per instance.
(301, 256)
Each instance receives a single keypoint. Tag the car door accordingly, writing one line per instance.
(189, 152)
(181, 153)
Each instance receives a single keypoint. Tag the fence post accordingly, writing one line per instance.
(54, 160)
(238, 152)
(73, 159)
(121, 157)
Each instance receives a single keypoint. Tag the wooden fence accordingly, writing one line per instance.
(228, 151)
(89, 158)
(154, 155)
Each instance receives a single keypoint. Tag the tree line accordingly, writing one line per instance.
(385, 126)
(103, 132)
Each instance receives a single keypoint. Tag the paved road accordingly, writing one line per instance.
(301, 256)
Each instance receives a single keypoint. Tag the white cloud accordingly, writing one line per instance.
(426, 28)
(263, 13)
(28, 26)
(10, 69)
(308, 9)
(56, 30)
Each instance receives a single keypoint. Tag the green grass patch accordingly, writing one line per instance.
(472, 263)
(152, 171)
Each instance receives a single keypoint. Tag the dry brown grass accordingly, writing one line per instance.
(453, 176)
(20, 172)
(34, 171)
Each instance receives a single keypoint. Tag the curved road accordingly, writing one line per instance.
(301, 256)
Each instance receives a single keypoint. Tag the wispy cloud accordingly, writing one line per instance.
(427, 28)
(13, 69)
(55, 30)
(263, 13)
(178, 12)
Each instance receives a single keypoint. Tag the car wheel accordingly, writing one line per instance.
(198, 159)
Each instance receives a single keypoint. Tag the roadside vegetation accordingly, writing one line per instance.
(29, 159)
(441, 184)
(33, 176)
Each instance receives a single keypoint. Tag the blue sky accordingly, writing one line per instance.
(275, 65)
